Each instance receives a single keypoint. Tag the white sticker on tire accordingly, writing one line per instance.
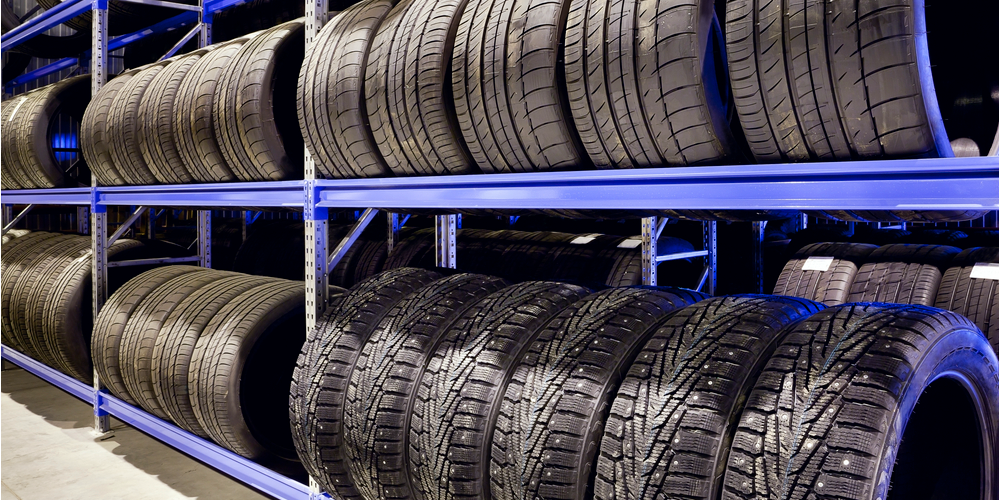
(820, 264)
(582, 240)
(985, 271)
(629, 243)
(12, 113)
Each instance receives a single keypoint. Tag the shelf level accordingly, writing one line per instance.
(254, 475)
(925, 184)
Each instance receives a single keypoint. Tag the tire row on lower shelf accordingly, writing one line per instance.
(428, 384)
(436, 383)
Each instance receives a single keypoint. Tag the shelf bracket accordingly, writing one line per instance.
(125, 225)
(709, 276)
(10, 225)
(348, 241)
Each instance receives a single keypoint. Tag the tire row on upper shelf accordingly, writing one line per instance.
(439, 87)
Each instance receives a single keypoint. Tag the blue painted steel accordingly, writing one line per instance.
(59, 196)
(45, 21)
(927, 184)
(288, 194)
(214, 6)
(175, 22)
(229, 463)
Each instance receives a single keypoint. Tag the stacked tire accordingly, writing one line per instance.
(28, 158)
(423, 385)
(212, 351)
(46, 298)
(218, 114)
(964, 282)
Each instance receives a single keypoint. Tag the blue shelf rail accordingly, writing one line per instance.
(254, 475)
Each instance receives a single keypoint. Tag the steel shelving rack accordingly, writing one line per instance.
(920, 184)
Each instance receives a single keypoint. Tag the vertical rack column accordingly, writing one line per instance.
(651, 228)
(204, 238)
(445, 240)
(758, 235)
(98, 214)
(316, 219)
(710, 241)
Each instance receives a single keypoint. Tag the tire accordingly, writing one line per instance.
(32, 282)
(842, 80)
(142, 329)
(331, 105)
(830, 287)
(233, 371)
(411, 250)
(975, 298)
(194, 120)
(550, 453)
(256, 129)
(378, 95)
(344, 332)
(493, 75)
(682, 397)
(64, 315)
(32, 122)
(17, 258)
(459, 396)
(174, 347)
(371, 260)
(13, 178)
(387, 375)
(95, 141)
(902, 274)
(157, 143)
(624, 61)
(123, 127)
(420, 100)
(110, 324)
(842, 389)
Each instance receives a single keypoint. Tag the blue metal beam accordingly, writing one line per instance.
(289, 194)
(252, 474)
(58, 196)
(214, 6)
(45, 21)
(175, 22)
(927, 184)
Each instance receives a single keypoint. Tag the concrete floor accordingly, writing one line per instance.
(47, 450)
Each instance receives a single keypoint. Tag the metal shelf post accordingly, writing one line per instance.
(98, 217)
(205, 238)
(445, 240)
(710, 240)
(758, 235)
(651, 228)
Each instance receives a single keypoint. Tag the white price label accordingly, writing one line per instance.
(820, 264)
(985, 271)
(630, 243)
(582, 240)
(12, 113)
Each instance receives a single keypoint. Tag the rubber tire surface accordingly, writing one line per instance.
(843, 384)
(830, 287)
(902, 274)
(674, 416)
(123, 127)
(331, 104)
(554, 408)
(344, 333)
(977, 299)
(387, 375)
(179, 334)
(110, 324)
(95, 135)
(459, 396)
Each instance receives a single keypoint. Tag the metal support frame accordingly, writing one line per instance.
(183, 41)
(445, 242)
(758, 235)
(650, 236)
(83, 220)
(98, 215)
(125, 226)
(8, 213)
(10, 225)
(205, 238)
(351, 237)
(709, 276)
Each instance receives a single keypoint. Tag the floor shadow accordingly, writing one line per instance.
(175, 469)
